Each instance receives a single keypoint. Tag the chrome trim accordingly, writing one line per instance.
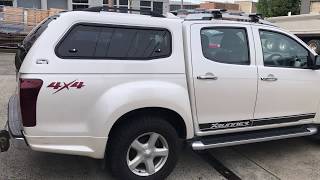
(42, 61)
(198, 145)
(252, 128)
(270, 77)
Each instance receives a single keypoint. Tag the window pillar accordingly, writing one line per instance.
(15, 3)
(44, 4)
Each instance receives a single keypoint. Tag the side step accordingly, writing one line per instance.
(232, 139)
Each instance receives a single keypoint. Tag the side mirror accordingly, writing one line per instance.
(316, 64)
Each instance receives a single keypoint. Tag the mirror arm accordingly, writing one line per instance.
(316, 62)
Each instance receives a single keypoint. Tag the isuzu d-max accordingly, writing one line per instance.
(134, 88)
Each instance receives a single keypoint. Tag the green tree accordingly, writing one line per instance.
(271, 8)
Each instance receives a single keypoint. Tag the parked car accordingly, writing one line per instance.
(134, 88)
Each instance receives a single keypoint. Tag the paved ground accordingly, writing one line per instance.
(293, 159)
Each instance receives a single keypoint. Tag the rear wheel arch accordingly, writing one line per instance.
(168, 115)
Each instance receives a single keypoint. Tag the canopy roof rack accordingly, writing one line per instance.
(122, 10)
(223, 14)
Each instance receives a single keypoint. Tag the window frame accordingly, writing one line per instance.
(228, 27)
(112, 58)
(309, 61)
(145, 9)
(81, 4)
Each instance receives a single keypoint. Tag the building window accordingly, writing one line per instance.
(123, 5)
(145, 7)
(80, 4)
(158, 7)
(115, 3)
(6, 3)
(105, 2)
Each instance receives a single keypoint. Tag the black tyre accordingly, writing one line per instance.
(145, 148)
(315, 45)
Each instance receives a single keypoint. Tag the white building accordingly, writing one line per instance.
(160, 6)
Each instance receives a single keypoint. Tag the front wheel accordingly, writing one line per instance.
(144, 149)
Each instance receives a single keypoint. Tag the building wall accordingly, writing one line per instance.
(29, 3)
(136, 5)
(58, 4)
(67, 4)
(315, 7)
(247, 6)
(93, 3)
(305, 7)
(174, 7)
(310, 6)
(215, 5)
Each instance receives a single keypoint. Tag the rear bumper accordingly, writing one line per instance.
(14, 123)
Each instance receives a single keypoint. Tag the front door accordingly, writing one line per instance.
(288, 90)
(224, 75)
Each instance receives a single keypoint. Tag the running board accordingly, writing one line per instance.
(208, 142)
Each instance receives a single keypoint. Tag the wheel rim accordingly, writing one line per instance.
(147, 154)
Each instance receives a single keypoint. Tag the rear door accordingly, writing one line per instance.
(224, 75)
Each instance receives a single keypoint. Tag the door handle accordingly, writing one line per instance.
(207, 76)
(270, 77)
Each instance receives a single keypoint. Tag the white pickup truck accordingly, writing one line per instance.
(133, 88)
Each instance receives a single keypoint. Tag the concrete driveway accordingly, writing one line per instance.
(293, 159)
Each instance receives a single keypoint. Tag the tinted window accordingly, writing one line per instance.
(281, 51)
(225, 45)
(80, 42)
(97, 42)
(31, 38)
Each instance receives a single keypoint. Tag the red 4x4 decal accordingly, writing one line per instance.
(62, 85)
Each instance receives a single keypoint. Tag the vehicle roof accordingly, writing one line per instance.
(138, 19)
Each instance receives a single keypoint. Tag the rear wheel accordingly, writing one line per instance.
(144, 149)
(315, 45)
